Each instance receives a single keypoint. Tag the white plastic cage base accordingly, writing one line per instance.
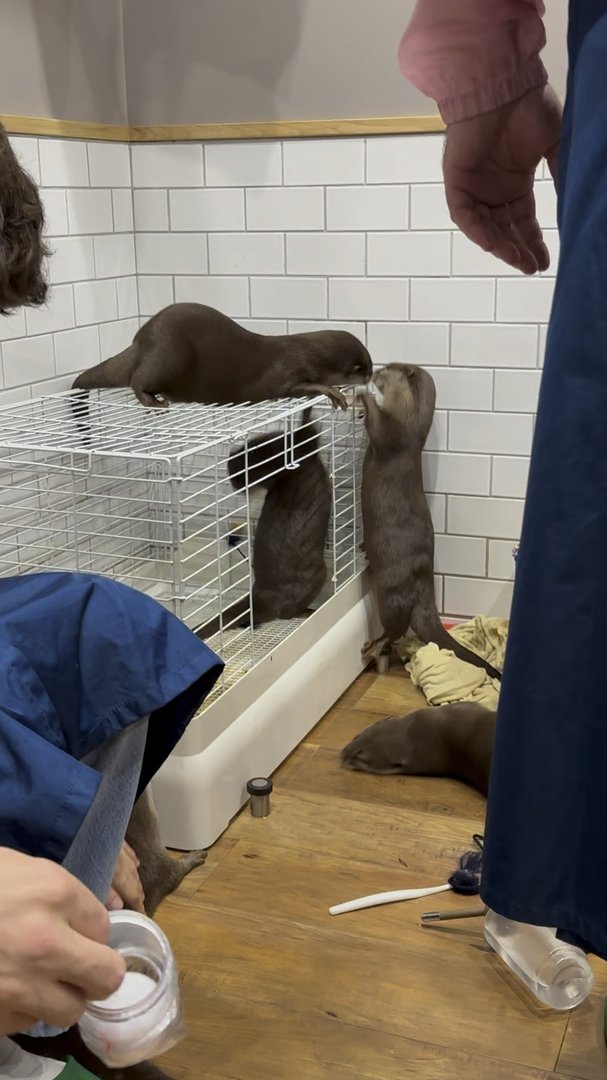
(255, 725)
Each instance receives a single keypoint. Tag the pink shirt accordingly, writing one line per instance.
(471, 56)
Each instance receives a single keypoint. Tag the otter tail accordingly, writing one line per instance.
(427, 626)
(114, 372)
(79, 404)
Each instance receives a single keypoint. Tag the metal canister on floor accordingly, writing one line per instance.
(259, 789)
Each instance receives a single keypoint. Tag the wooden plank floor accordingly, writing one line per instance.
(277, 989)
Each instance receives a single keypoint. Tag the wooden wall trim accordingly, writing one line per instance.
(273, 129)
(287, 129)
(65, 129)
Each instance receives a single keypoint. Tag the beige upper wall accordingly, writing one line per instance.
(221, 61)
(63, 59)
(214, 61)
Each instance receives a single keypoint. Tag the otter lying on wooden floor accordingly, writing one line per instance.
(191, 352)
(398, 535)
(447, 740)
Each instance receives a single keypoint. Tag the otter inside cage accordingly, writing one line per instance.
(243, 520)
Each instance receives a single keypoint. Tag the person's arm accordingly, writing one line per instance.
(473, 56)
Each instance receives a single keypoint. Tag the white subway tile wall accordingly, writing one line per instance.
(88, 198)
(159, 165)
(151, 209)
(90, 210)
(200, 209)
(246, 253)
(26, 150)
(228, 294)
(122, 204)
(370, 206)
(155, 293)
(109, 165)
(305, 235)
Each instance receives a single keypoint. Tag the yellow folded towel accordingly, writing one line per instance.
(443, 678)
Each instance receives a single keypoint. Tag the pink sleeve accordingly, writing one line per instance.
(471, 56)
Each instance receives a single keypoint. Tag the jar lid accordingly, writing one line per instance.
(259, 785)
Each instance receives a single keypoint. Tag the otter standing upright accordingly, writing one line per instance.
(397, 526)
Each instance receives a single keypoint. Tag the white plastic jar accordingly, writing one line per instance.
(143, 1018)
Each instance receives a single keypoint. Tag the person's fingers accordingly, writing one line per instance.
(528, 262)
(477, 222)
(11, 1023)
(95, 971)
(127, 884)
(528, 235)
(114, 902)
(61, 1005)
(509, 233)
(74, 902)
(536, 256)
(491, 238)
(130, 892)
(52, 1002)
(132, 854)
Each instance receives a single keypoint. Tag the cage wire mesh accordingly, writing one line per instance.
(144, 496)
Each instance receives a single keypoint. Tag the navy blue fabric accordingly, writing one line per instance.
(546, 834)
(81, 658)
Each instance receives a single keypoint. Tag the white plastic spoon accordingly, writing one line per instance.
(386, 898)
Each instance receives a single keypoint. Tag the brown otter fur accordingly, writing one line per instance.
(191, 352)
(289, 566)
(449, 740)
(159, 874)
(397, 526)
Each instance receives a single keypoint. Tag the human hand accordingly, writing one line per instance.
(54, 955)
(489, 169)
(126, 886)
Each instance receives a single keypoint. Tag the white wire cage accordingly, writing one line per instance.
(145, 496)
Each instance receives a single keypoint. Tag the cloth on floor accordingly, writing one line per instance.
(443, 677)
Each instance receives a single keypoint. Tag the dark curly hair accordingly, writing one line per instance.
(22, 247)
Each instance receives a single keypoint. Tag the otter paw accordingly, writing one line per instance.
(367, 653)
(373, 650)
(336, 398)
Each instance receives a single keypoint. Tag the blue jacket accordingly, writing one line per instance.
(81, 658)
